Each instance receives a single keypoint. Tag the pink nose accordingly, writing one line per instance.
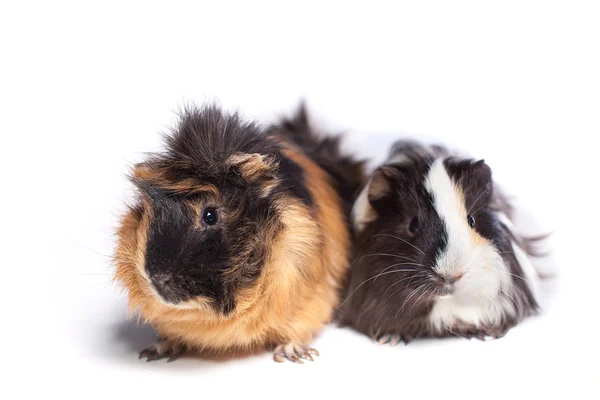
(453, 279)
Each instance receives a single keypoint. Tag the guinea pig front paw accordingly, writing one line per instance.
(294, 352)
(391, 339)
(388, 339)
(163, 349)
(485, 334)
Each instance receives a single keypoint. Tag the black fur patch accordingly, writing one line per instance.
(293, 181)
(181, 260)
(346, 172)
(185, 258)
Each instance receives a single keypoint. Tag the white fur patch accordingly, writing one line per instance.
(477, 298)
(530, 273)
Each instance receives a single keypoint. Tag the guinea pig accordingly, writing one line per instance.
(436, 253)
(240, 236)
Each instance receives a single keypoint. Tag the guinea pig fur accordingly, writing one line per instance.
(436, 253)
(239, 239)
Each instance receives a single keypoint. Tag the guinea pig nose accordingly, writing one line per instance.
(453, 279)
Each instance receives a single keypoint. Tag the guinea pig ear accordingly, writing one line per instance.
(377, 188)
(253, 167)
(481, 173)
(380, 184)
(477, 183)
(151, 192)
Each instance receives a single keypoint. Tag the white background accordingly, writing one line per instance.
(85, 89)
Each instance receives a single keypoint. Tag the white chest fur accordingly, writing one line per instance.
(452, 310)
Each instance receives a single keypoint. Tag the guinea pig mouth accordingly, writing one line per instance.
(446, 291)
(166, 287)
(447, 286)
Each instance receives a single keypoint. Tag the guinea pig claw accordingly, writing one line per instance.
(309, 352)
(149, 354)
(393, 340)
(294, 352)
(163, 349)
(296, 359)
(498, 334)
(306, 356)
(384, 339)
(486, 334)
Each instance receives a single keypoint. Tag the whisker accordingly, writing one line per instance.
(475, 202)
(405, 241)
(504, 236)
(394, 265)
(88, 273)
(107, 283)
(454, 333)
(398, 281)
(522, 294)
(408, 298)
(518, 290)
(373, 277)
(383, 254)
(506, 302)
(415, 303)
(94, 251)
(517, 308)
(474, 254)
(493, 303)
(524, 279)
(409, 282)
(506, 252)
(509, 296)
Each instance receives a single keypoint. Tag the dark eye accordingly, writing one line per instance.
(414, 225)
(210, 216)
(471, 221)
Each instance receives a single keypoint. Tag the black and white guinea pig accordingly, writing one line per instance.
(436, 253)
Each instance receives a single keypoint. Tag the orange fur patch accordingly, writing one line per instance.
(252, 166)
(160, 178)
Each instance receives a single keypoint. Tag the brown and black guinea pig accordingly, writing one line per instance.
(436, 252)
(240, 237)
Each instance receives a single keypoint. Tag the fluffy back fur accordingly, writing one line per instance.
(347, 173)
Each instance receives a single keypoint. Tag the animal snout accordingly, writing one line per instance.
(448, 283)
(166, 288)
(453, 279)
(161, 280)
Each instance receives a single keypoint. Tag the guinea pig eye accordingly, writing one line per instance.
(471, 221)
(414, 225)
(210, 216)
